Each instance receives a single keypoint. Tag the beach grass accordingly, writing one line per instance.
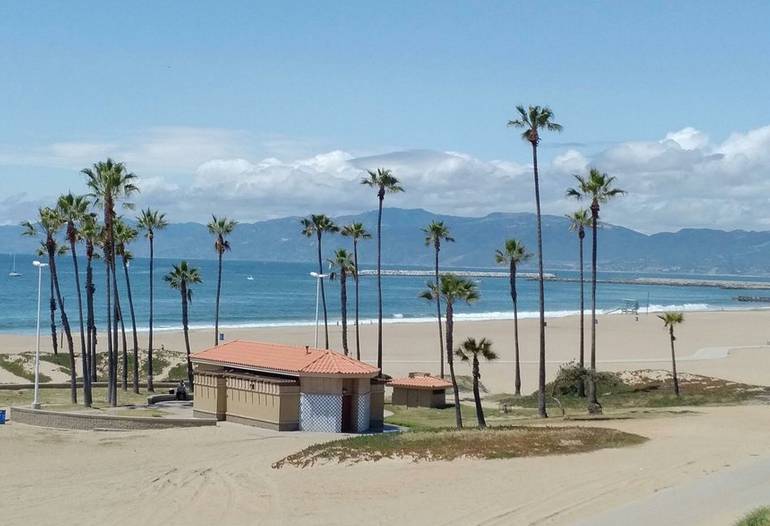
(450, 444)
(177, 372)
(758, 517)
(17, 366)
(61, 359)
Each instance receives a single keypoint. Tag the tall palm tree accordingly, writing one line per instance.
(109, 182)
(513, 254)
(121, 321)
(151, 221)
(220, 228)
(435, 233)
(73, 209)
(578, 221)
(356, 232)
(48, 223)
(597, 188)
(385, 182)
(91, 232)
(452, 289)
(316, 225)
(470, 350)
(181, 278)
(533, 120)
(343, 264)
(125, 234)
(670, 320)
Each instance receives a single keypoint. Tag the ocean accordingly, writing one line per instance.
(282, 294)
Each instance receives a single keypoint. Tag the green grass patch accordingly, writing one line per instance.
(59, 398)
(425, 418)
(496, 443)
(758, 517)
(17, 366)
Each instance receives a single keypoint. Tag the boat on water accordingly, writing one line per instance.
(250, 277)
(13, 273)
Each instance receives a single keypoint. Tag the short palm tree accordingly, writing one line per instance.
(48, 223)
(220, 228)
(598, 188)
(356, 232)
(578, 222)
(435, 233)
(316, 225)
(151, 221)
(513, 254)
(125, 234)
(385, 182)
(533, 120)
(343, 264)
(671, 320)
(110, 182)
(73, 209)
(452, 289)
(181, 278)
(470, 350)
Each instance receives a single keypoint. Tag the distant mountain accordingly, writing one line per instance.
(688, 250)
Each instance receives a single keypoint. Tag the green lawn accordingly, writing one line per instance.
(59, 398)
(758, 517)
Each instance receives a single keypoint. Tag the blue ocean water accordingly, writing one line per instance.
(284, 294)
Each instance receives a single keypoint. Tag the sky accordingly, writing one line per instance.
(265, 109)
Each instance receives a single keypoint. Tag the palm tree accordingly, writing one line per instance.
(452, 289)
(109, 182)
(91, 232)
(533, 120)
(344, 265)
(578, 221)
(220, 228)
(49, 222)
(435, 233)
(73, 209)
(356, 232)
(597, 188)
(316, 225)
(671, 319)
(470, 351)
(124, 234)
(513, 254)
(385, 182)
(121, 320)
(151, 221)
(181, 278)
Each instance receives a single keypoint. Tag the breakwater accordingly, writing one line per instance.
(463, 273)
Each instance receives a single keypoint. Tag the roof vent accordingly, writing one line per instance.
(307, 349)
(418, 374)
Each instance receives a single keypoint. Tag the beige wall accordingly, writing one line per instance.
(376, 406)
(210, 395)
(263, 403)
(418, 397)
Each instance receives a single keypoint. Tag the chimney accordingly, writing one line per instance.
(307, 349)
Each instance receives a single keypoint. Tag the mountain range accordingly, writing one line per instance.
(621, 249)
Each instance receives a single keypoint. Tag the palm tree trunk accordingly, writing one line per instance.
(355, 263)
(111, 289)
(219, 290)
(323, 293)
(438, 313)
(64, 321)
(150, 386)
(477, 395)
(541, 411)
(119, 316)
(111, 396)
(133, 326)
(594, 407)
(673, 361)
(451, 362)
(83, 352)
(90, 289)
(514, 299)
(344, 310)
(52, 309)
(185, 326)
(582, 382)
(379, 282)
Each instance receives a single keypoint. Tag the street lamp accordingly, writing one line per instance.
(40, 266)
(318, 277)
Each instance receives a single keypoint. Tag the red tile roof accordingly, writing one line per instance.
(284, 359)
(420, 382)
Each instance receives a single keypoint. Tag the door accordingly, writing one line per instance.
(347, 413)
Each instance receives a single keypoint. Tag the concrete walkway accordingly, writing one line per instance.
(718, 499)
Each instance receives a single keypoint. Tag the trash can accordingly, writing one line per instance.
(2, 416)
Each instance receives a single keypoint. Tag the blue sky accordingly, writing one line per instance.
(175, 85)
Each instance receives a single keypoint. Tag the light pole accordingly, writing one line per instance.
(318, 277)
(36, 402)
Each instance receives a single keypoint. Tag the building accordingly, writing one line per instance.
(287, 388)
(419, 390)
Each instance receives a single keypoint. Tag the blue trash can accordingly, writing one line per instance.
(2, 416)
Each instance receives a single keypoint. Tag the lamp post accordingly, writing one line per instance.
(318, 277)
(36, 402)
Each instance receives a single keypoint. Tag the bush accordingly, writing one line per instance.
(758, 517)
(570, 375)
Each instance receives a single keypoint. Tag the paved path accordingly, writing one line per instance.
(718, 499)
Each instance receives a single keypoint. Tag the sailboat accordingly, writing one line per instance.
(13, 273)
